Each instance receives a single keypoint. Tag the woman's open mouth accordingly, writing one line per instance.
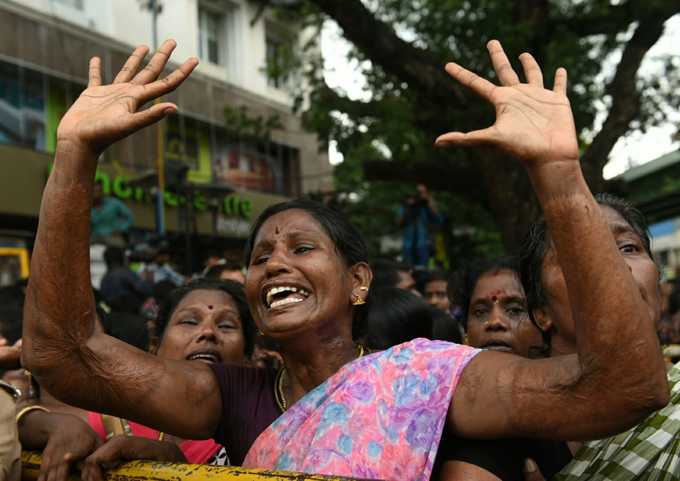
(278, 296)
(208, 356)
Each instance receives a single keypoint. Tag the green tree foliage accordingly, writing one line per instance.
(401, 47)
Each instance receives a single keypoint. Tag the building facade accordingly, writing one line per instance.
(654, 187)
(236, 129)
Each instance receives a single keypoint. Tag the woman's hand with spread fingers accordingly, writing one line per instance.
(59, 312)
(104, 114)
(533, 124)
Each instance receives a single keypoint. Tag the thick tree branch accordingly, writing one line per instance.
(615, 19)
(624, 93)
(379, 42)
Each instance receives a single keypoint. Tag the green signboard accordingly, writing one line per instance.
(231, 206)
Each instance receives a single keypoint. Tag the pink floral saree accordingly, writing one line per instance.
(379, 417)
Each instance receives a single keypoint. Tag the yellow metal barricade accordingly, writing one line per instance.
(155, 471)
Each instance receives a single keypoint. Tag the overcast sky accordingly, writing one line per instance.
(634, 149)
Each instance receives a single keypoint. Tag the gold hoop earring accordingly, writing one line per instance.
(357, 301)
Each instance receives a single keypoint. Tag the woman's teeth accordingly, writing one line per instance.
(203, 356)
(292, 294)
(286, 300)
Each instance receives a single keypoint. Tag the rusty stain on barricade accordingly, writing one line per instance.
(155, 471)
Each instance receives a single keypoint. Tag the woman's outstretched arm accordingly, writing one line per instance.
(70, 358)
(617, 376)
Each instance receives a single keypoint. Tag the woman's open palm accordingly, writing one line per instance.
(533, 123)
(104, 114)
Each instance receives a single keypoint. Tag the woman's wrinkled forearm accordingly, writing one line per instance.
(59, 312)
(616, 341)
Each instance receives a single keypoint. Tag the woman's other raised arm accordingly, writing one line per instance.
(62, 348)
(618, 375)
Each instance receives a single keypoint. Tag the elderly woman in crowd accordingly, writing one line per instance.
(333, 408)
(188, 330)
(651, 450)
(651, 447)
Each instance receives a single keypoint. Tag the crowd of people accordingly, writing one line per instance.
(312, 357)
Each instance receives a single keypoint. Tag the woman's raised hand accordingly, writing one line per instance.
(533, 123)
(104, 114)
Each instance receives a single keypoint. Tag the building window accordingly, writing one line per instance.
(279, 60)
(182, 140)
(77, 4)
(31, 105)
(271, 168)
(22, 107)
(211, 36)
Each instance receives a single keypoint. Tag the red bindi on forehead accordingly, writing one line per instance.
(497, 295)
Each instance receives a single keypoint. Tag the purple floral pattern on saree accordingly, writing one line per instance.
(379, 417)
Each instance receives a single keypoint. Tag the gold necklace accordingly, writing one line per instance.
(279, 395)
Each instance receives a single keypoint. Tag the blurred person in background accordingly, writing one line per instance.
(389, 273)
(121, 288)
(212, 258)
(436, 290)
(110, 219)
(416, 214)
(396, 316)
(226, 270)
(161, 269)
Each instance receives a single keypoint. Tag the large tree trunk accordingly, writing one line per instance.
(510, 197)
